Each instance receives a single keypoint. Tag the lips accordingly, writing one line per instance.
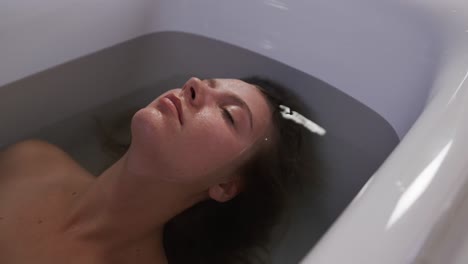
(178, 105)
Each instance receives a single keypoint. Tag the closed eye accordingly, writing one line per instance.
(233, 99)
(227, 115)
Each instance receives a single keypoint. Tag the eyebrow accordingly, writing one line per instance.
(213, 83)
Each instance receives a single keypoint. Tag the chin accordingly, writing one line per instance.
(147, 126)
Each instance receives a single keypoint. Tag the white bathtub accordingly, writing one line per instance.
(373, 72)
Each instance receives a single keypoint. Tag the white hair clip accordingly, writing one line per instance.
(300, 119)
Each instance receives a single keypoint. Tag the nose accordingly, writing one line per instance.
(195, 92)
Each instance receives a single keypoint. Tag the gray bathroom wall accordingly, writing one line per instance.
(59, 104)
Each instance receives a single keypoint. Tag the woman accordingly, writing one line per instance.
(203, 181)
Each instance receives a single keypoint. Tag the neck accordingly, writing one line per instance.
(120, 210)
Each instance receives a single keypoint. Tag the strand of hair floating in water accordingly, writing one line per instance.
(302, 120)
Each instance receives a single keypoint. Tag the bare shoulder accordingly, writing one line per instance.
(34, 156)
(31, 150)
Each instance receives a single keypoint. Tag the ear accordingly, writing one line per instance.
(224, 192)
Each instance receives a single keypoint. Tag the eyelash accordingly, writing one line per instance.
(228, 116)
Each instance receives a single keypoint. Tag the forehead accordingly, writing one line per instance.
(254, 99)
(236, 86)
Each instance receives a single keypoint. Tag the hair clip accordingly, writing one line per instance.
(300, 119)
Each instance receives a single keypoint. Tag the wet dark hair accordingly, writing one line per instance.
(240, 230)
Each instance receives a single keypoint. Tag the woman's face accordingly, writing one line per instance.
(199, 133)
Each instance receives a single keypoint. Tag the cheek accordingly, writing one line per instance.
(212, 131)
(195, 155)
(210, 146)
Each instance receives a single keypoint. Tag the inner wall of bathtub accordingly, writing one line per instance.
(59, 105)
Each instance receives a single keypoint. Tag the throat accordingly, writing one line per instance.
(123, 213)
